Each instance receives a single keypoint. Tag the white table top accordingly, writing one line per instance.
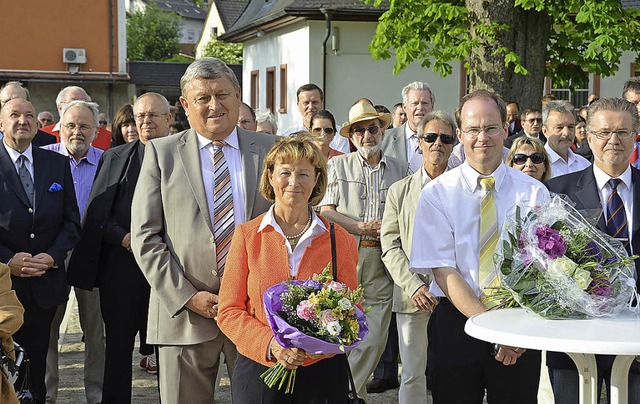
(516, 327)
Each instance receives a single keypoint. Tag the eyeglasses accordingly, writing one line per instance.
(102, 122)
(606, 134)
(327, 131)
(373, 129)
(488, 130)
(536, 158)
(444, 138)
(73, 126)
(151, 115)
(532, 120)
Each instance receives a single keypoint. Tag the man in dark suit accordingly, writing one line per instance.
(14, 89)
(39, 224)
(611, 127)
(103, 257)
(531, 126)
(513, 118)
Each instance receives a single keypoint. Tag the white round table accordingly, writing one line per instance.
(580, 339)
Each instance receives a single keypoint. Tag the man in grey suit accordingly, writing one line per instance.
(412, 301)
(402, 142)
(175, 236)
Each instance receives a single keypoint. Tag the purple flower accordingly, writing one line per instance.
(551, 242)
(600, 285)
(311, 284)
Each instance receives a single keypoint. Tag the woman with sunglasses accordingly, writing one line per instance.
(529, 156)
(323, 123)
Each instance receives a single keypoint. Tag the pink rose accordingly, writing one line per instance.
(306, 310)
(326, 316)
(337, 286)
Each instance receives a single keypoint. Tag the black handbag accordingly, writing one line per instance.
(352, 394)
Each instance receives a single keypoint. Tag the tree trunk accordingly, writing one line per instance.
(528, 37)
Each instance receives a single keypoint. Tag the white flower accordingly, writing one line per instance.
(582, 278)
(333, 328)
(345, 304)
(561, 267)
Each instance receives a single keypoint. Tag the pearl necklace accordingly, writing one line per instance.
(297, 236)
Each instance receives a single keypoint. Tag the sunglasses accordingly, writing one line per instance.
(373, 129)
(536, 158)
(444, 138)
(327, 131)
(102, 122)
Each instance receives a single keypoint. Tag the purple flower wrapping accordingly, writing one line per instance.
(290, 337)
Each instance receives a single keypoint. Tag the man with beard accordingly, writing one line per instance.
(356, 193)
(103, 257)
(402, 142)
(78, 128)
(559, 126)
(610, 185)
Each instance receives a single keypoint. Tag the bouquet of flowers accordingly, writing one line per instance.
(555, 264)
(319, 316)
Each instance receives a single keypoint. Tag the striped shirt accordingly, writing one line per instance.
(83, 171)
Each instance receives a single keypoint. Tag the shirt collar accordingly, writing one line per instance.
(56, 128)
(231, 140)
(471, 176)
(602, 178)
(363, 162)
(14, 154)
(269, 219)
(92, 157)
(553, 156)
(408, 132)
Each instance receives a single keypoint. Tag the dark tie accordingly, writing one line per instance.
(223, 224)
(616, 215)
(25, 178)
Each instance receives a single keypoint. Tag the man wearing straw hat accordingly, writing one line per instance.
(355, 197)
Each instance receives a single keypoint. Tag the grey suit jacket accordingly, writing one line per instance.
(172, 233)
(396, 235)
(394, 143)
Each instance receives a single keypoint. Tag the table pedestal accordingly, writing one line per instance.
(620, 379)
(587, 377)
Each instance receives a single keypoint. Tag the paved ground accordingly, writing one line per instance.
(145, 386)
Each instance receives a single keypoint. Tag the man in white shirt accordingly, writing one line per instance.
(612, 126)
(448, 227)
(311, 100)
(402, 142)
(559, 126)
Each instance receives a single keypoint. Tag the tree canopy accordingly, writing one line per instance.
(228, 52)
(509, 46)
(153, 34)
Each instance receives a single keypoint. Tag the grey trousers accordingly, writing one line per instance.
(94, 347)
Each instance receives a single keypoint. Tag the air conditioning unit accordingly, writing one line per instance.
(74, 55)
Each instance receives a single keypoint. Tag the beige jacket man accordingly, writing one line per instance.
(172, 234)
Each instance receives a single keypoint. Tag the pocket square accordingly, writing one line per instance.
(55, 187)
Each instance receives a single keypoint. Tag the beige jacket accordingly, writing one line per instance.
(396, 236)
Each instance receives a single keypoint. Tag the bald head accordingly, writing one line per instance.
(18, 123)
(13, 90)
(152, 113)
(71, 93)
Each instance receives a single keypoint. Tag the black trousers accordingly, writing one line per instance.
(324, 382)
(34, 338)
(463, 367)
(124, 301)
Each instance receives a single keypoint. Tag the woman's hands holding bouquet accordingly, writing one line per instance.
(291, 358)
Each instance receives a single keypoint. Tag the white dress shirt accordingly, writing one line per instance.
(448, 218)
(414, 157)
(560, 167)
(317, 227)
(15, 155)
(231, 150)
(625, 190)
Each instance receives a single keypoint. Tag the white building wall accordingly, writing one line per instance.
(189, 24)
(291, 47)
(211, 24)
(612, 86)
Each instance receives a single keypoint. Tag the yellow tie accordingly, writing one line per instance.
(488, 237)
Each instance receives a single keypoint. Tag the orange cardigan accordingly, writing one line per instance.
(257, 261)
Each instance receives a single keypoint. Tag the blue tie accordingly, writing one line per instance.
(616, 216)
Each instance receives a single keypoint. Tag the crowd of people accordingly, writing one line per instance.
(174, 235)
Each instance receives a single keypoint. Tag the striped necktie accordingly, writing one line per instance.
(223, 224)
(616, 216)
(488, 237)
(25, 178)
